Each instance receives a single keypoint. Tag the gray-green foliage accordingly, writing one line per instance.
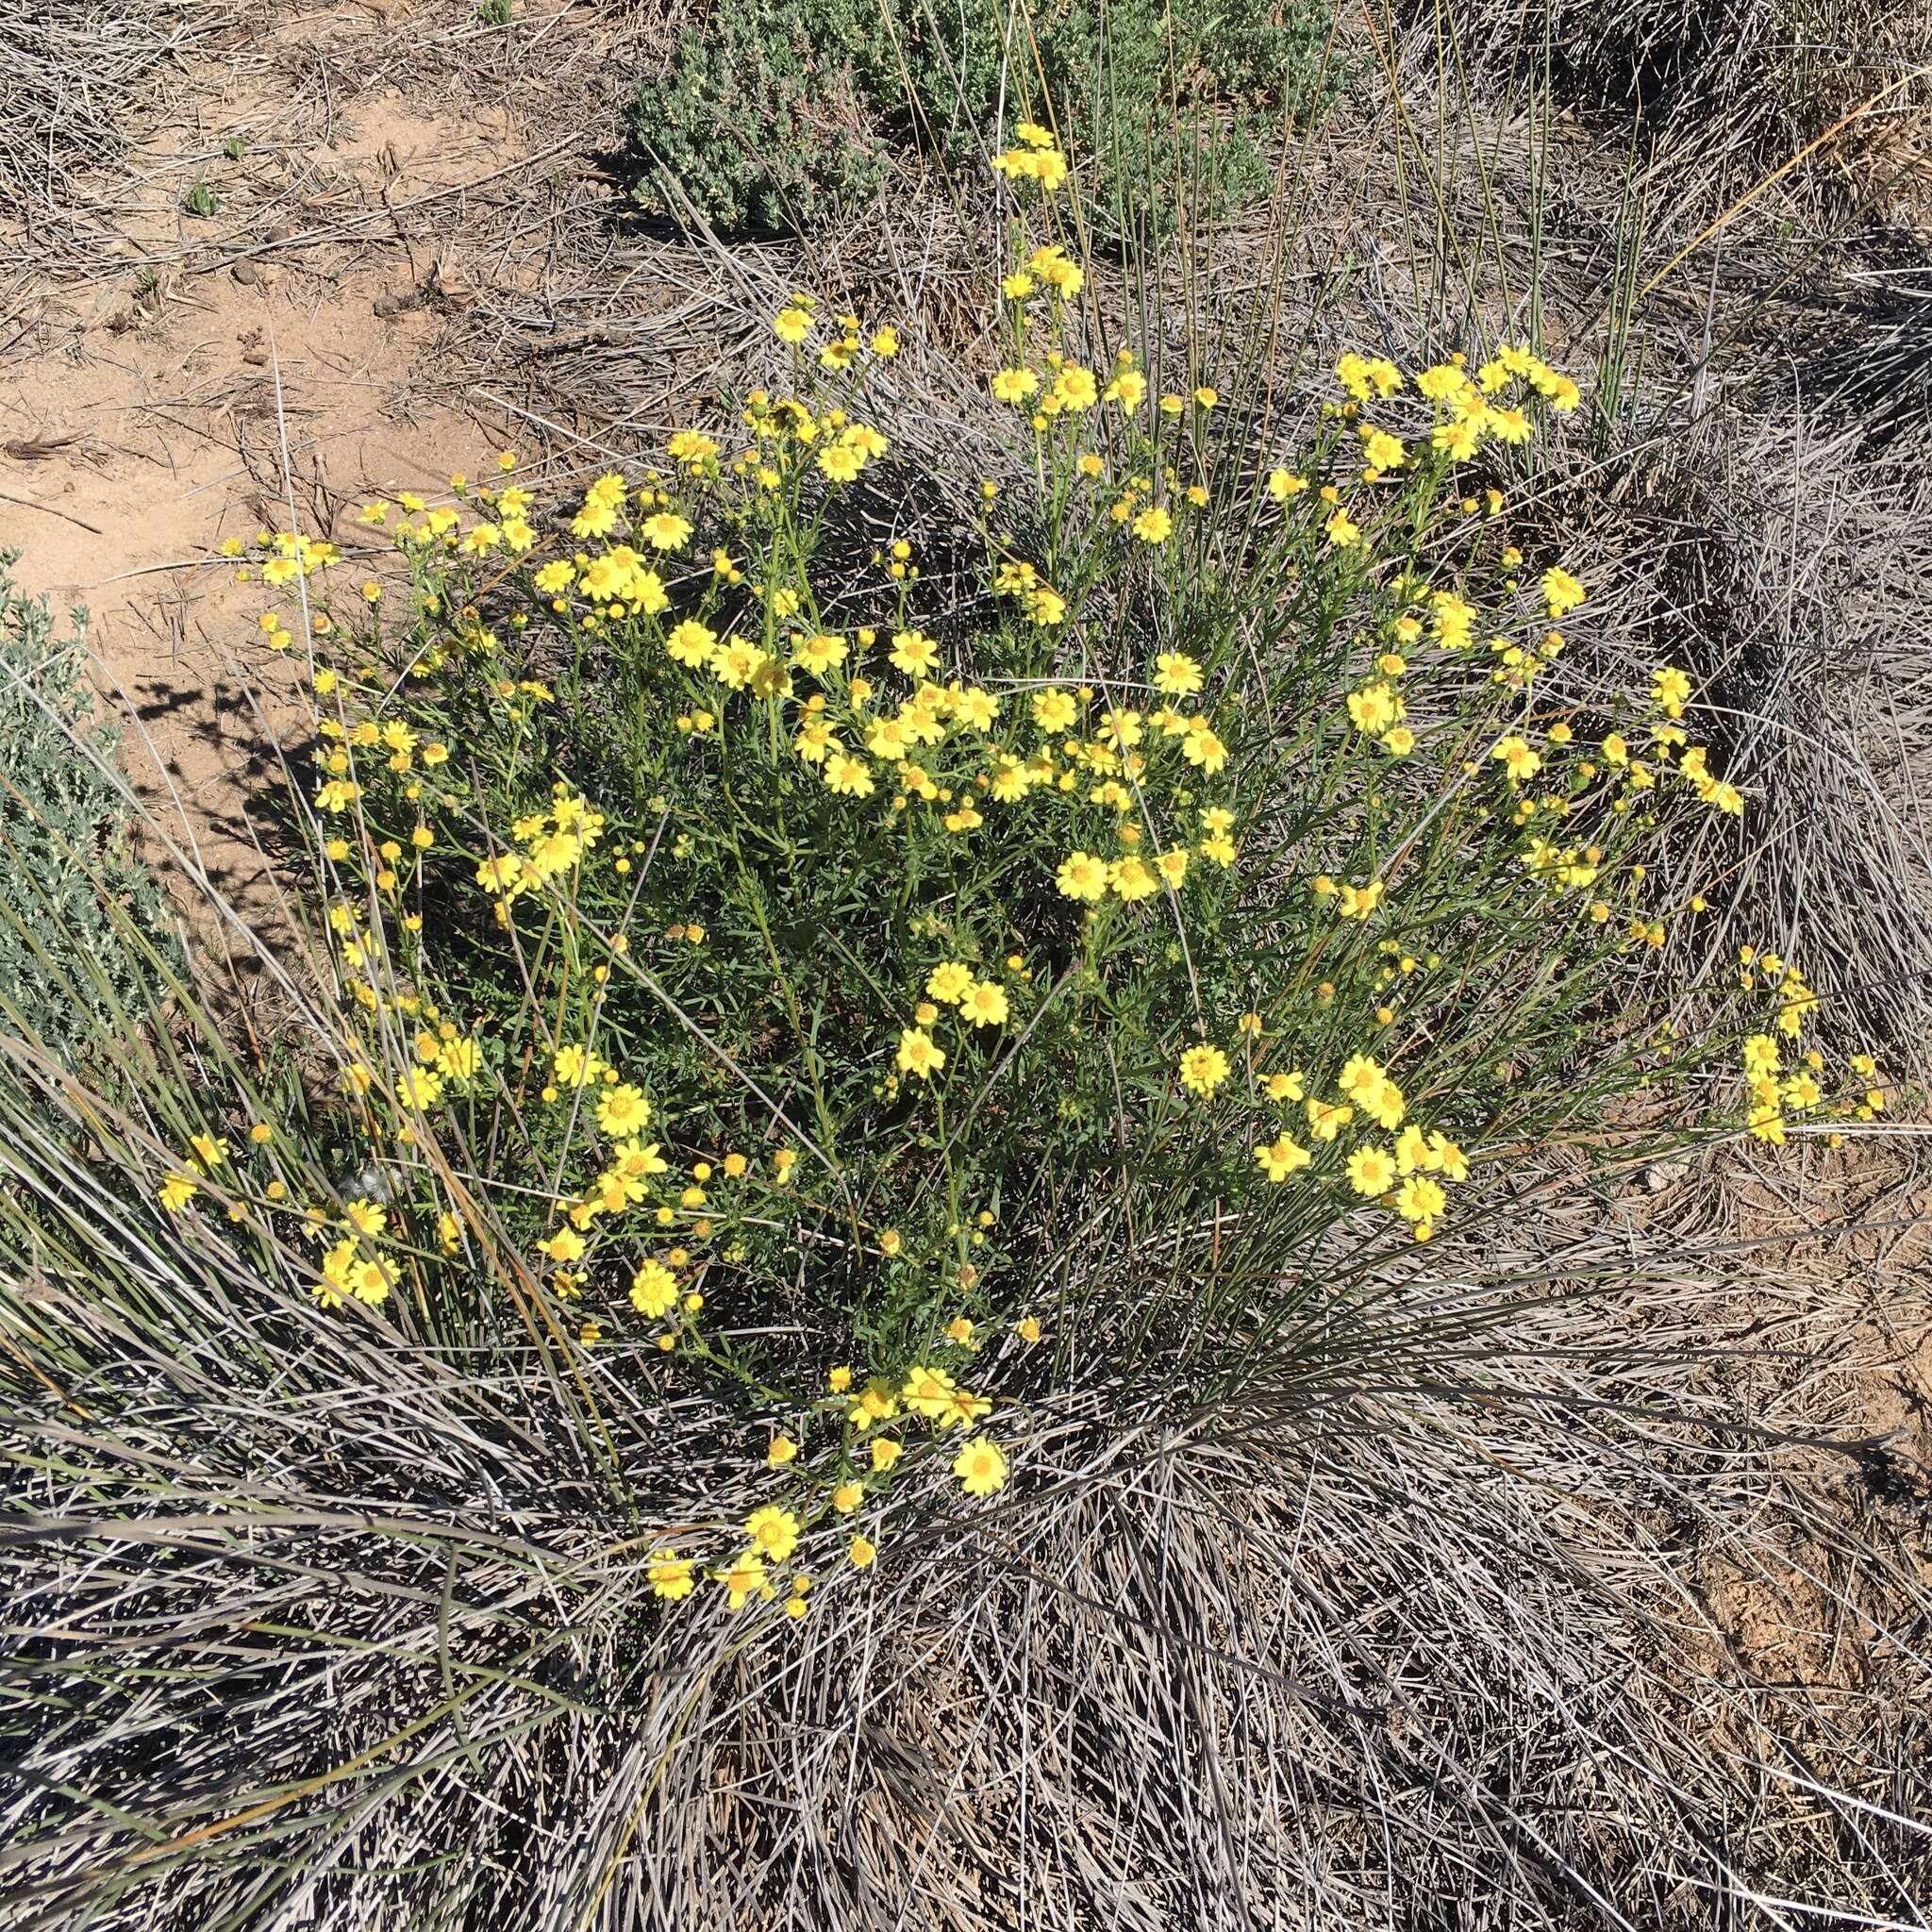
(81, 922)
(777, 114)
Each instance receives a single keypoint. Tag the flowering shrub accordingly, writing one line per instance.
(770, 969)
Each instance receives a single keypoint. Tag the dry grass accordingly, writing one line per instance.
(83, 77)
(1481, 1591)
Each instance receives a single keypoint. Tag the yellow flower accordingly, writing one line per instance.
(862, 1552)
(740, 664)
(690, 643)
(848, 776)
(460, 1060)
(1047, 166)
(1670, 689)
(1360, 1077)
(1374, 708)
(1561, 592)
(919, 1055)
(975, 709)
(774, 1531)
(365, 1217)
(687, 446)
(878, 1402)
(654, 1290)
(1083, 876)
(949, 982)
(1054, 710)
(420, 1087)
(791, 325)
(670, 1576)
(913, 653)
(1513, 426)
(1203, 1069)
(1282, 1156)
(783, 1450)
(178, 1190)
(928, 1391)
(665, 530)
(622, 1111)
(1014, 385)
(1154, 525)
(984, 1003)
(963, 1407)
(1383, 451)
(565, 1246)
(744, 1579)
(1372, 1170)
(1076, 388)
(1051, 266)
(1362, 378)
(981, 1467)
(1517, 758)
(1176, 674)
(1419, 1200)
(348, 1274)
(1202, 747)
(575, 1066)
(1372, 1092)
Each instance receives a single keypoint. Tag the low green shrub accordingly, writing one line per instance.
(81, 919)
(779, 114)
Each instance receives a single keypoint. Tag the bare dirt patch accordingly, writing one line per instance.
(187, 372)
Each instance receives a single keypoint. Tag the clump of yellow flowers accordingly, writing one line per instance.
(768, 927)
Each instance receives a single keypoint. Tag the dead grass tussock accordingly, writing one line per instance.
(1607, 1632)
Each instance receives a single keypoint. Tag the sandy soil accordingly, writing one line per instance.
(267, 364)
